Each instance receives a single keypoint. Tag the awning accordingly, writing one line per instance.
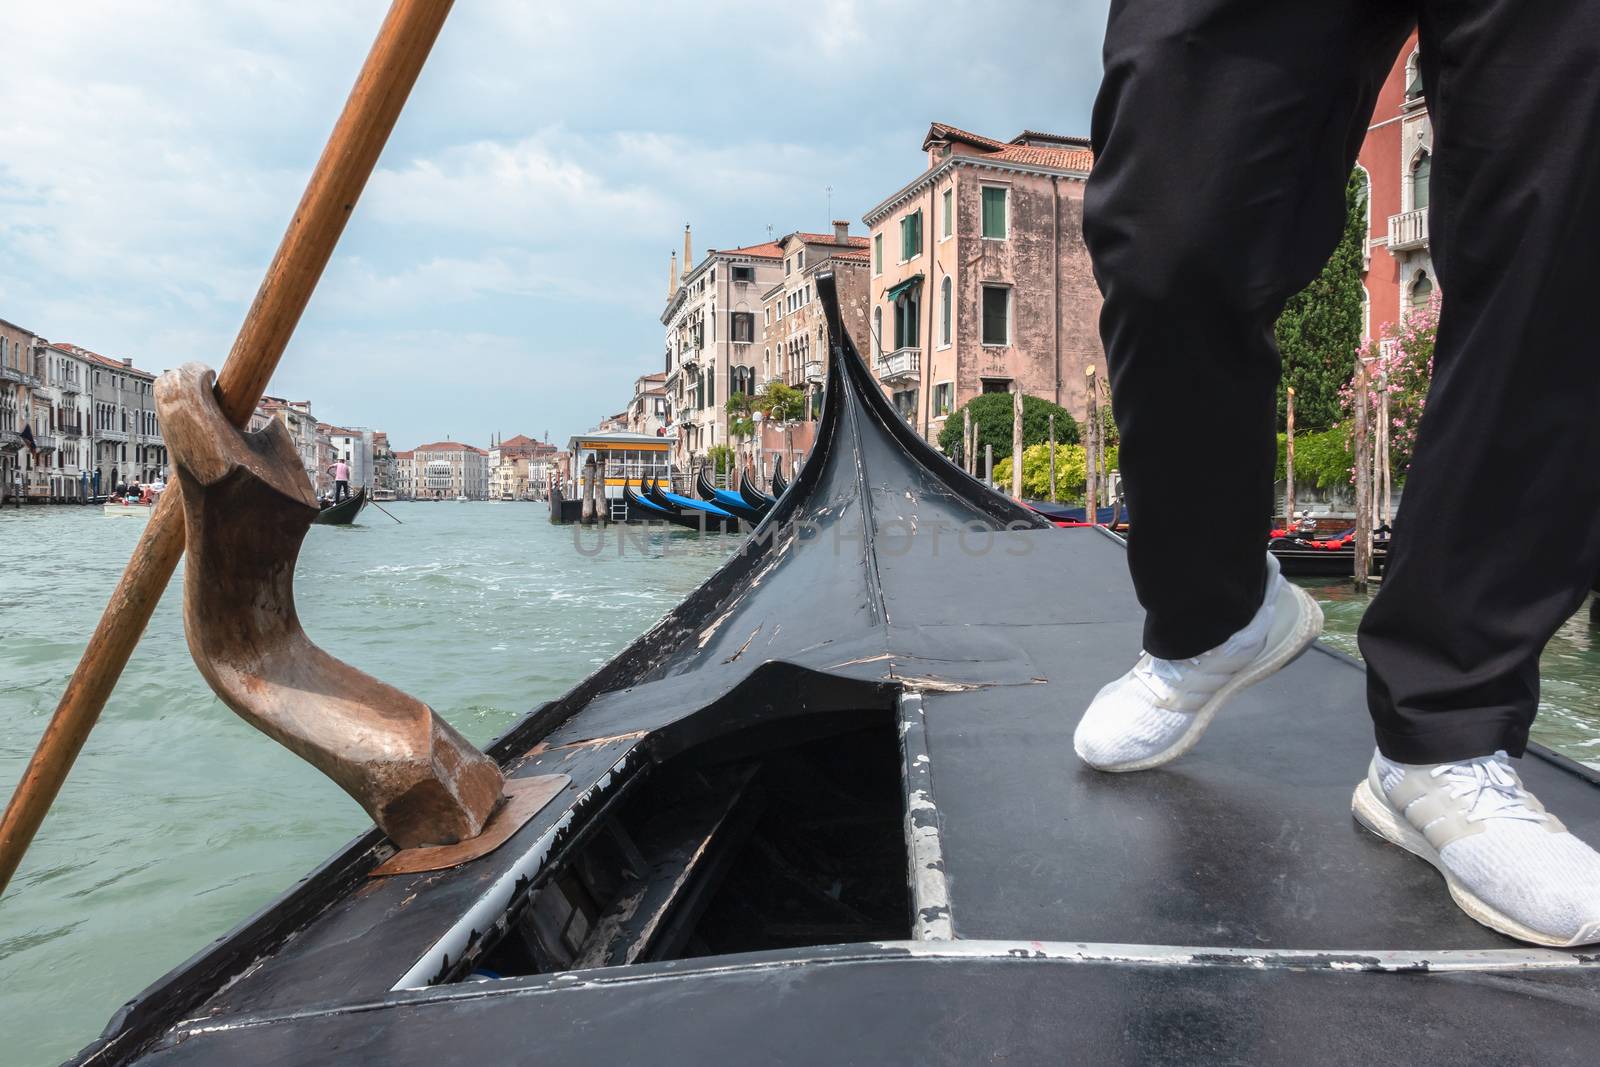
(894, 293)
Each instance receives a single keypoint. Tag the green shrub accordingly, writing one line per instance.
(991, 414)
(1036, 472)
(1322, 459)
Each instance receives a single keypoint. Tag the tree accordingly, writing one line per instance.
(1402, 367)
(1070, 474)
(780, 402)
(991, 414)
(1320, 328)
(720, 458)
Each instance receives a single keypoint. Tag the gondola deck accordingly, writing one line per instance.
(1225, 907)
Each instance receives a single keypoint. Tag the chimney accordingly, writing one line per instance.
(128, 363)
(672, 277)
(688, 257)
(841, 231)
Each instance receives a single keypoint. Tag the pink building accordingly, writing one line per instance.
(1396, 159)
(980, 281)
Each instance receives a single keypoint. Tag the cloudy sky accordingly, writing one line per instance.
(506, 268)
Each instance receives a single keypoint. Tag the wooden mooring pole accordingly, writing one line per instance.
(380, 91)
(1052, 457)
(1363, 459)
(1016, 441)
(1091, 448)
(969, 455)
(1288, 464)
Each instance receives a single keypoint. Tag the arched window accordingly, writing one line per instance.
(944, 311)
(1421, 175)
(1413, 77)
(1364, 190)
(1421, 291)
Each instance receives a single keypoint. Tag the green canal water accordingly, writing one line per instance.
(179, 820)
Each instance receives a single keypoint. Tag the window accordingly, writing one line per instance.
(906, 319)
(742, 327)
(942, 394)
(910, 236)
(996, 315)
(877, 331)
(944, 311)
(1413, 77)
(905, 402)
(800, 260)
(1421, 291)
(788, 266)
(744, 274)
(877, 253)
(997, 385)
(1421, 175)
(949, 212)
(994, 211)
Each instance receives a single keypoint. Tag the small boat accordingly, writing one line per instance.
(752, 495)
(344, 512)
(120, 508)
(1065, 515)
(1333, 556)
(462, 499)
(694, 514)
(734, 503)
(827, 810)
(780, 484)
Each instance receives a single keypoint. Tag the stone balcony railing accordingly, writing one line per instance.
(900, 365)
(1408, 230)
(814, 371)
(21, 377)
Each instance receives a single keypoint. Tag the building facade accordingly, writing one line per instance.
(713, 334)
(979, 278)
(447, 470)
(355, 447)
(647, 411)
(295, 415)
(405, 475)
(69, 467)
(127, 445)
(1396, 162)
(17, 383)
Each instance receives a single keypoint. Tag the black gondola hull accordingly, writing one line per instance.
(344, 512)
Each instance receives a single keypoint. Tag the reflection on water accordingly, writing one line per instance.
(179, 820)
(1569, 689)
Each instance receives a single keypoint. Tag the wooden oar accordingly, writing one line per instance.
(391, 69)
(383, 509)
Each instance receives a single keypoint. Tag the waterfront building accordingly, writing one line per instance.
(383, 480)
(795, 342)
(355, 447)
(127, 444)
(405, 475)
(712, 340)
(1396, 161)
(516, 467)
(17, 382)
(68, 377)
(647, 411)
(979, 278)
(445, 470)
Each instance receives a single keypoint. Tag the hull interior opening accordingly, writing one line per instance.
(790, 847)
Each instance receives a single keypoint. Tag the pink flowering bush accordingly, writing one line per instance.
(1401, 364)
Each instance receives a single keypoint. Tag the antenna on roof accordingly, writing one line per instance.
(830, 201)
(769, 231)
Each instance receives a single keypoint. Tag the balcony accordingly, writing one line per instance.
(111, 435)
(901, 365)
(814, 371)
(44, 442)
(1408, 230)
(21, 377)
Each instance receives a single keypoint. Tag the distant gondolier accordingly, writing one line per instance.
(341, 480)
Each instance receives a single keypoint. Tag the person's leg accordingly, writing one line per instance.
(1224, 133)
(1498, 540)
(1499, 534)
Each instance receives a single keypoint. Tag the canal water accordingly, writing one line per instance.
(179, 820)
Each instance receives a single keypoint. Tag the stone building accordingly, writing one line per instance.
(647, 411)
(980, 281)
(515, 470)
(17, 383)
(795, 342)
(446, 470)
(713, 333)
(127, 445)
(1397, 161)
(383, 481)
(405, 475)
(355, 447)
(68, 469)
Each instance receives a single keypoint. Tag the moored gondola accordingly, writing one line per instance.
(1324, 557)
(734, 503)
(827, 810)
(694, 514)
(752, 495)
(780, 484)
(344, 512)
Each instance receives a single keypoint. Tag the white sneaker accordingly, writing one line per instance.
(1509, 864)
(1158, 710)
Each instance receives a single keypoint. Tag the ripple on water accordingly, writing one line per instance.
(179, 819)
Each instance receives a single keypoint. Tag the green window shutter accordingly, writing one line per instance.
(944, 291)
(994, 211)
(949, 212)
(996, 308)
(916, 234)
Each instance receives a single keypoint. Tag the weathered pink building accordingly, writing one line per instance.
(980, 280)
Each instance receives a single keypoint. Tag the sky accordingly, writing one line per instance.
(506, 268)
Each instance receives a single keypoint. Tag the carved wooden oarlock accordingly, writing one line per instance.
(247, 506)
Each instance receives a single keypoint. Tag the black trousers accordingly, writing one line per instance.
(341, 489)
(1224, 133)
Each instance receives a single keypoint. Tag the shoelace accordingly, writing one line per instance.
(1495, 790)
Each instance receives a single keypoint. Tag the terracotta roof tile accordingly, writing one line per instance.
(830, 239)
(1070, 153)
(767, 250)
